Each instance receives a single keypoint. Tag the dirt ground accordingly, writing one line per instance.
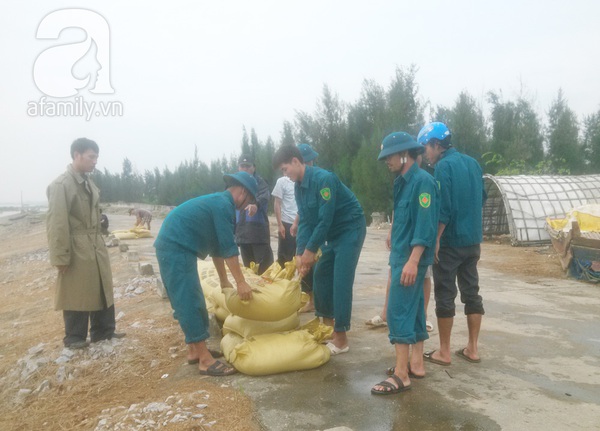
(135, 382)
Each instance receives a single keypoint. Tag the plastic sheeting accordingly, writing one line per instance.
(519, 205)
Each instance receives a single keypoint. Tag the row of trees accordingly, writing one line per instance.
(512, 139)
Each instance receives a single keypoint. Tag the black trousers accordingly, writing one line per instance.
(457, 265)
(102, 325)
(286, 248)
(261, 254)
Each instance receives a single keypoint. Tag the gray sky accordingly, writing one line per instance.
(191, 73)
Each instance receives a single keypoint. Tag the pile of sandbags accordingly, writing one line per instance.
(262, 336)
(133, 233)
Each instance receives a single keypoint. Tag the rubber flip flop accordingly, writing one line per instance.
(376, 322)
(390, 389)
(429, 326)
(390, 371)
(218, 369)
(428, 356)
(461, 354)
(336, 350)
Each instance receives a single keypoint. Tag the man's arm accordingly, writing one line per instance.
(244, 290)
(57, 227)
(277, 208)
(219, 263)
(409, 272)
(294, 227)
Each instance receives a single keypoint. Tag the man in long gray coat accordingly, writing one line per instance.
(84, 288)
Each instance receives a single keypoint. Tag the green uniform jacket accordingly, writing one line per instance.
(203, 226)
(73, 228)
(326, 207)
(462, 196)
(416, 214)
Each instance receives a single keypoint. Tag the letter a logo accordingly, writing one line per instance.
(53, 68)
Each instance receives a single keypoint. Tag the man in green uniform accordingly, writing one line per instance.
(458, 240)
(412, 247)
(199, 227)
(84, 288)
(330, 218)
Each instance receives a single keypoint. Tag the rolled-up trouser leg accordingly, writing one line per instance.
(179, 272)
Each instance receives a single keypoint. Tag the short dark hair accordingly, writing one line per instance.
(414, 153)
(81, 145)
(446, 142)
(285, 154)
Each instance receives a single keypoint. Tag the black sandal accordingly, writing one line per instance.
(389, 387)
(218, 369)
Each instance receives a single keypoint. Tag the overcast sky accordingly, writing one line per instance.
(192, 73)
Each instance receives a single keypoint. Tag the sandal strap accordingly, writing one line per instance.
(389, 385)
(398, 380)
(217, 366)
(386, 385)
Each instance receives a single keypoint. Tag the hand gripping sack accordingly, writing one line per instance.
(270, 301)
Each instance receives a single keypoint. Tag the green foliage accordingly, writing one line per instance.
(516, 130)
(348, 138)
(498, 165)
(563, 135)
(591, 142)
(373, 184)
(466, 121)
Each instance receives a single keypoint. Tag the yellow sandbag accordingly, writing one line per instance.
(304, 298)
(123, 234)
(132, 233)
(270, 302)
(288, 271)
(249, 328)
(210, 305)
(220, 313)
(272, 271)
(278, 353)
(228, 343)
(220, 307)
(318, 330)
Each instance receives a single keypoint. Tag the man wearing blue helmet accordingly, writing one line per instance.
(413, 237)
(459, 240)
(199, 227)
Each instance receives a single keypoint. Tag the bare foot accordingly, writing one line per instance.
(308, 308)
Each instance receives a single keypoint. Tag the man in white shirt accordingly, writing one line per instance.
(285, 212)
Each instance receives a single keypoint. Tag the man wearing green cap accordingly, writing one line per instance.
(413, 245)
(199, 227)
(331, 219)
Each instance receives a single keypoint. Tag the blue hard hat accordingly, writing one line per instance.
(243, 179)
(397, 142)
(308, 154)
(431, 131)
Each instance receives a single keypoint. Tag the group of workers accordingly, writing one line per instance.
(436, 220)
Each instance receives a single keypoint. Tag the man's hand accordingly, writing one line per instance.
(388, 240)
(294, 230)
(298, 259)
(436, 259)
(62, 268)
(409, 274)
(252, 209)
(281, 230)
(244, 291)
(307, 260)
